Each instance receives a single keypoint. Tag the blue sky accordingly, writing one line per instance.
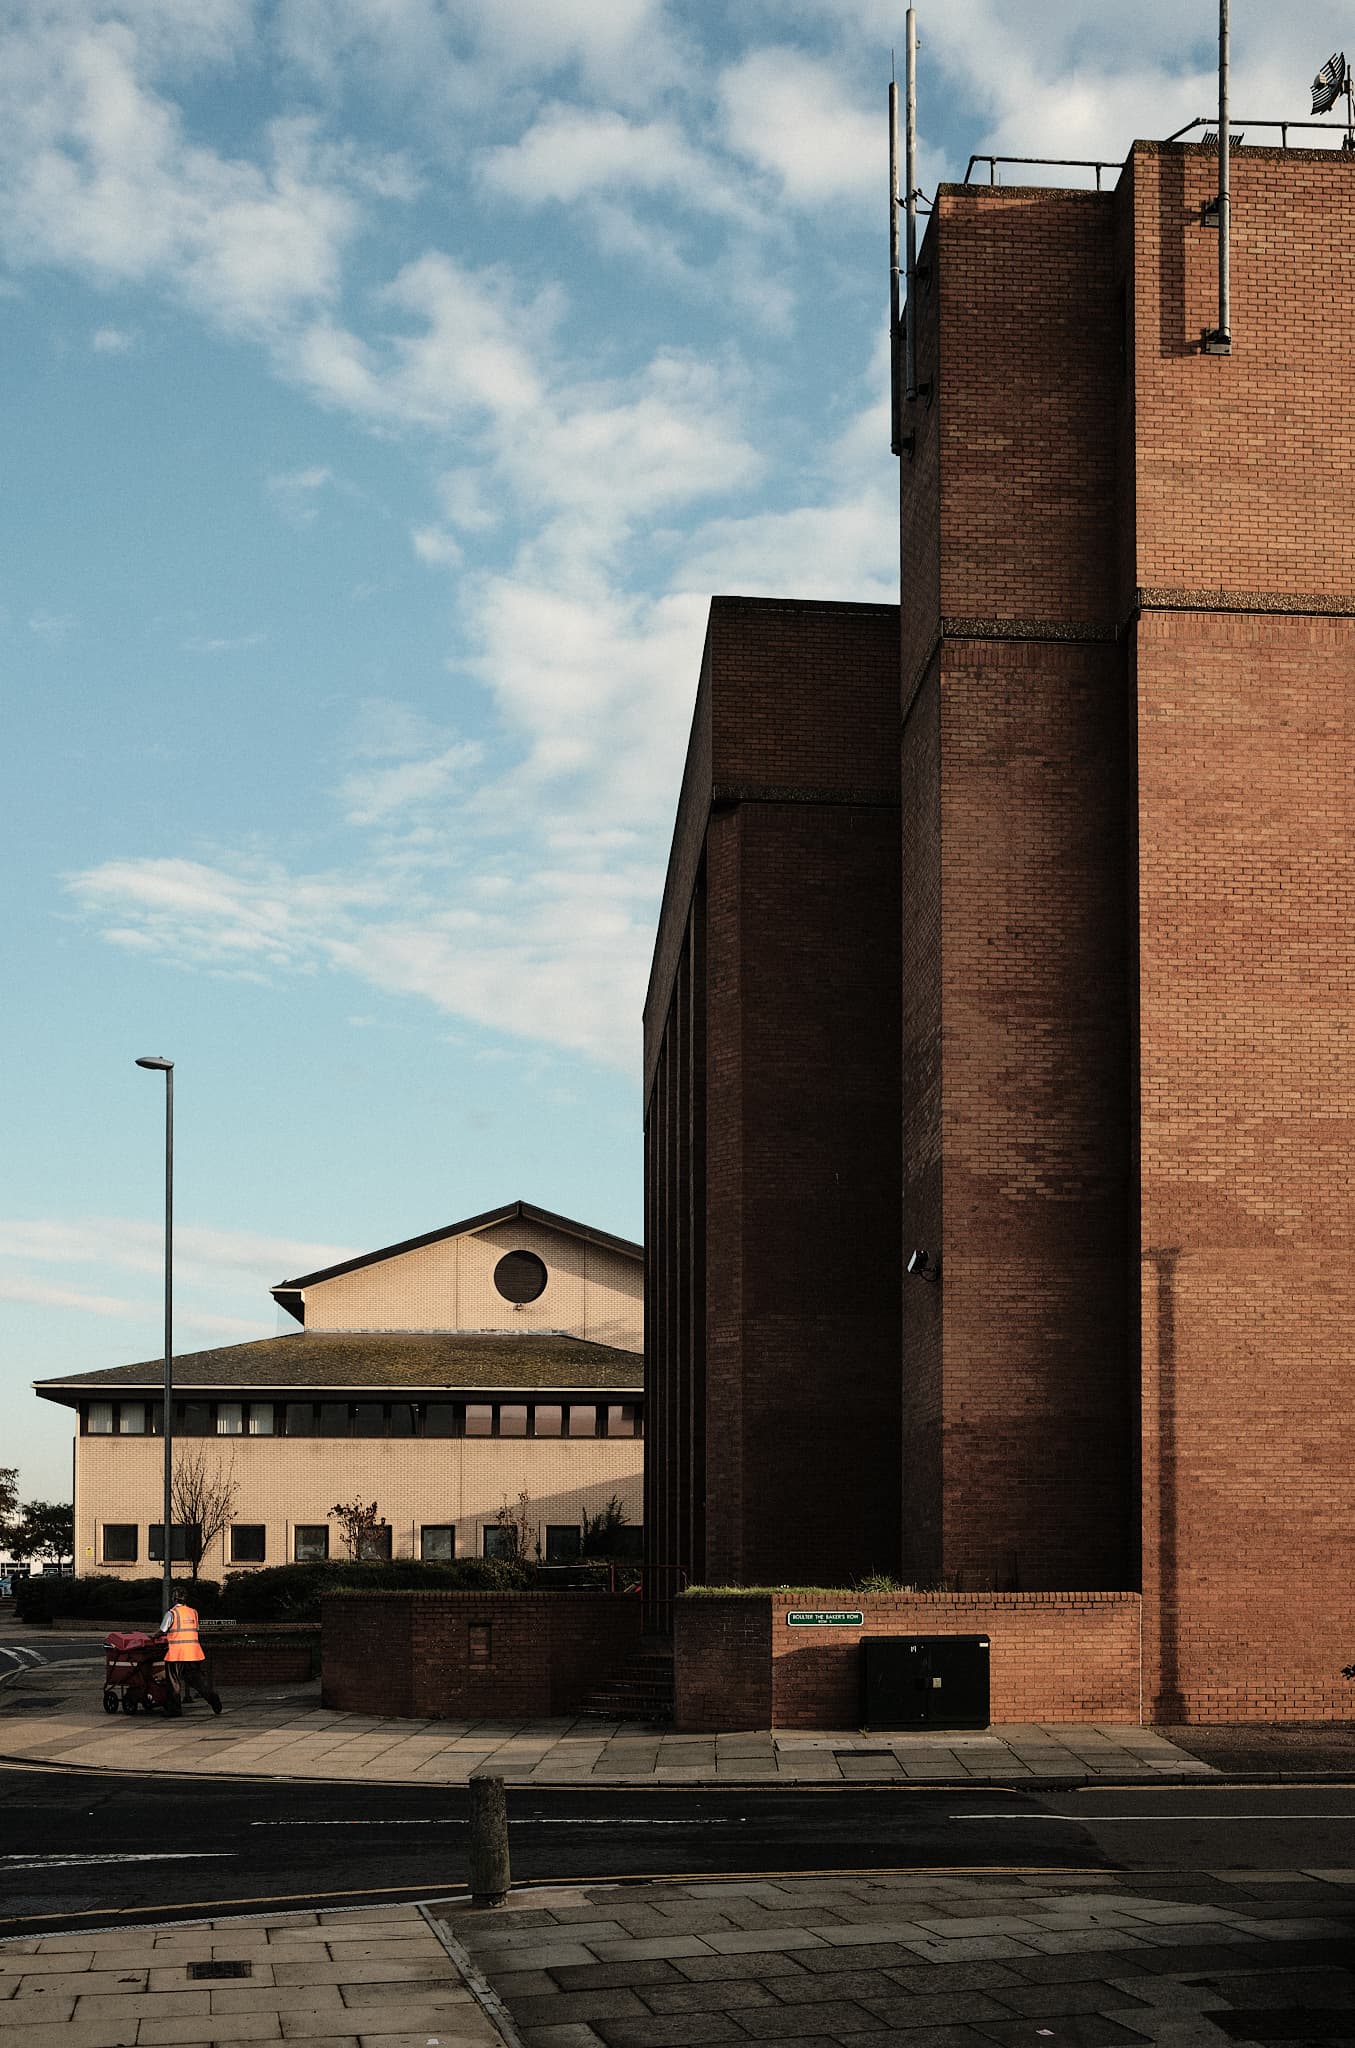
(388, 384)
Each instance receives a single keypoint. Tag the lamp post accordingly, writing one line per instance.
(166, 1067)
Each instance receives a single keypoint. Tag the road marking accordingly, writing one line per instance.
(57, 1862)
(1149, 1820)
(451, 1821)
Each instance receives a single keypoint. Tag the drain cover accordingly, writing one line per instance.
(220, 1969)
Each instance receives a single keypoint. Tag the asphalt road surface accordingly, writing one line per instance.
(30, 1653)
(84, 1848)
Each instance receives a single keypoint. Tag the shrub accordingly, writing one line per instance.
(104, 1597)
(292, 1592)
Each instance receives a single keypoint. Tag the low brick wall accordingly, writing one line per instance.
(454, 1656)
(1054, 1656)
(262, 1663)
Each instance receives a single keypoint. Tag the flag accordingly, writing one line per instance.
(1329, 84)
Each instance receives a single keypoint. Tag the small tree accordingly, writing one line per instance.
(601, 1531)
(9, 1499)
(46, 1529)
(202, 1502)
(360, 1523)
(519, 1526)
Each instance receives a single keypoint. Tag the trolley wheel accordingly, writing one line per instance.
(110, 1700)
(173, 1707)
(129, 1703)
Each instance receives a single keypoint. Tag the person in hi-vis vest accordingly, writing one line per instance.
(185, 1658)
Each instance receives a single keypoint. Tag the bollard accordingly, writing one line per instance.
(490, 1877)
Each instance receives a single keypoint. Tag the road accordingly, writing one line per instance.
(28, 1653)
(81, 1848)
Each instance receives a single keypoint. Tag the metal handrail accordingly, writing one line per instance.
(1076, 163)
(1236, 123)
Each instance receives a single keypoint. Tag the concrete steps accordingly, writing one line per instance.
(641, 1691)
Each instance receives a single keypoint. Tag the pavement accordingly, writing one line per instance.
(53, 1715)
(1083, 1959)
(384, 1977)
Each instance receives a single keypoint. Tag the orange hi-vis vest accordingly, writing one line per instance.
(182, 1637)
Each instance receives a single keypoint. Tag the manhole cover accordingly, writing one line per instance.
(1288, 2023)
(220, 1969)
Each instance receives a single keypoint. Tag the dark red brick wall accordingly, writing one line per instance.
(410, 1655)
(1053, 1657)
(1016, 939)
(722, 1664)
(773, 1108)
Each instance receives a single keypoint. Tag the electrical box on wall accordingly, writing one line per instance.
(924, 1681)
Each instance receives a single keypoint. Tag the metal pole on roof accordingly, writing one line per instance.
(1224, 336)
(895, 423)
(166, 1067)
(910, 177)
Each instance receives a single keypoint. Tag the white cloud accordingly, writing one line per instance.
(52, 626)
(382, 794)
(790, 114)
(571, 152)
(201, 643)
(112, 341)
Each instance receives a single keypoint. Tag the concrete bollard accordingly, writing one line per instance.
(491, 1880)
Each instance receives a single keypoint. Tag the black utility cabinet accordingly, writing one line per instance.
(924, 1681)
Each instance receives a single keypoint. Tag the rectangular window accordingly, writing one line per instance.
(179, 1546)
(564, 1542)
(132, 1418)
(620, 1419)
(513, 1420)
(299, 1417)
(480, 1642)
(479, 1419)
(333, 1418)
(500, 1540)
(369, 1419)
(374, 1545)
(120, 1542)
(439, 1419)
(230, 1418)
(402, 1418)
(583, 1421)
(247, 1543)
(100, 1418)
(261, 1418)
(437, 1542)
(547, 1420)
(628, 1544)
(196, 1419)
(310, 1542)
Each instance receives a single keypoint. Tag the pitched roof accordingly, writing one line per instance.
(448, 1361)
(527, 1210)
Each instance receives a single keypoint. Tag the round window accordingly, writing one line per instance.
(520, 1276)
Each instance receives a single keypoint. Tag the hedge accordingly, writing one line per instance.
(286, 1592)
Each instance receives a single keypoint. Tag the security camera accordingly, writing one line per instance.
(920, 1266)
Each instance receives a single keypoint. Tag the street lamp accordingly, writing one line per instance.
(166, 1067)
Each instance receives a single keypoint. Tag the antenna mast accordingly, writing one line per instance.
(895, 422)
(910, 174)
(1220, 342)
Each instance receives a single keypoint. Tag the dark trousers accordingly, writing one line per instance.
(192, 1677)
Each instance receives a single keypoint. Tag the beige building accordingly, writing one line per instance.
(442, 1378)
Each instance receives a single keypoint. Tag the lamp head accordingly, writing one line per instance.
(158, 1062)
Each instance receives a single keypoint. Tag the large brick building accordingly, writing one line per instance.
(1105, 1050)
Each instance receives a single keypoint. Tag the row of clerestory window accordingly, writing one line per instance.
(366, 1418)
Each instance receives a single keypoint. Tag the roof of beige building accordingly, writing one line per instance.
(459, 1360)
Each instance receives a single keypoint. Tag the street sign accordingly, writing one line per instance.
(823, 1619)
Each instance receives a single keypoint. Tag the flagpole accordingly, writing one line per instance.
(1225, 196)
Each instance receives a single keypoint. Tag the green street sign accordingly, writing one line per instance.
(821, 1620)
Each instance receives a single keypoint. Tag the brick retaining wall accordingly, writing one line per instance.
(429, 1656)
(1055, 1656)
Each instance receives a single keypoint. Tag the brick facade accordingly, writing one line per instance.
(1054, 1656)
(771, 1132)
(1127, 848)
(472, 1656)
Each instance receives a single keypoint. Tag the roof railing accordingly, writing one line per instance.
(1235, 123)
(1098, 165)
(1070, 163)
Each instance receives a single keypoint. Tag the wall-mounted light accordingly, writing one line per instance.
(922, 1267)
